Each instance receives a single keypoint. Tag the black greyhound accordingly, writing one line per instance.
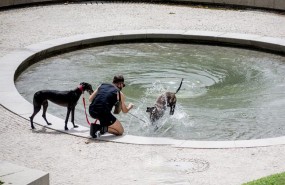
(167, 99)
(67, 99)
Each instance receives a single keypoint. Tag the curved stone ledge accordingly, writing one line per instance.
(14, 63)
(267, 4)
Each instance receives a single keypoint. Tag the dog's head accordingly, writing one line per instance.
(154, 113)
(86, 87)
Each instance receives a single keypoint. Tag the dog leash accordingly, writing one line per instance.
(137, 117)
(98, 132)
(83, 99)
(84, 104)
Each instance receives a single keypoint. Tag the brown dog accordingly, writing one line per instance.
(167, 99)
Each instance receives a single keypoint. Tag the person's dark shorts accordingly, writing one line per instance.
(105, 118)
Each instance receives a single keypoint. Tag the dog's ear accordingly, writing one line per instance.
(148, 109)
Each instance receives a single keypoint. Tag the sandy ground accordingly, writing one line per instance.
(75, 160)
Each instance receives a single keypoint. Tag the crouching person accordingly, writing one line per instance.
(103, 99)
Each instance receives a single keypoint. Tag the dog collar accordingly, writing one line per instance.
(81, 88)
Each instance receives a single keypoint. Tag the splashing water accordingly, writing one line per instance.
(164, 126)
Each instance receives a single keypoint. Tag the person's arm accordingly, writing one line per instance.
(92, 96)
(125, 108)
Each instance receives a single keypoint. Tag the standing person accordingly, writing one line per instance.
(102, 101)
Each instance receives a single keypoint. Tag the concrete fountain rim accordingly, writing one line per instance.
(16, 62)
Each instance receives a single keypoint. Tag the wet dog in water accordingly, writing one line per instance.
(167, 99)
(67, 99)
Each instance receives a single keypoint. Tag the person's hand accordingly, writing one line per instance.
(130, 106)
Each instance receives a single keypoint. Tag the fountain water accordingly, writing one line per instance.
(227, 94)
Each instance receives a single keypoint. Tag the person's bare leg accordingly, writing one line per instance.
(116, 128)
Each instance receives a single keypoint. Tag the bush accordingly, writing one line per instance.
(276, 179)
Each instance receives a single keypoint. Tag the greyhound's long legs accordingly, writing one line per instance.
(36, 110)
(72, 117)
(45, 106)
(66, 119)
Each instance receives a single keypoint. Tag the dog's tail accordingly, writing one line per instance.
(179, 86)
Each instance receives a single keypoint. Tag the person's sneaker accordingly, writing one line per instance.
(94, 129)
(98, 134)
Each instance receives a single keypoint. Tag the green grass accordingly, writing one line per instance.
(276, 179)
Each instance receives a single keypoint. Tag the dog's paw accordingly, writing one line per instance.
(75, 126)
(33, 128)
(65, 128)
(49, 123)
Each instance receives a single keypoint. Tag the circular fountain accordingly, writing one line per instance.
(227, 93)
(230, 94)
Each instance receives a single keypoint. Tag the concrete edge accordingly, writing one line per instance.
(14, 63)
(15, 174)
(278, 5)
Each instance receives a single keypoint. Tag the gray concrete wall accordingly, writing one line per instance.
(7, 3)
(270, 4)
